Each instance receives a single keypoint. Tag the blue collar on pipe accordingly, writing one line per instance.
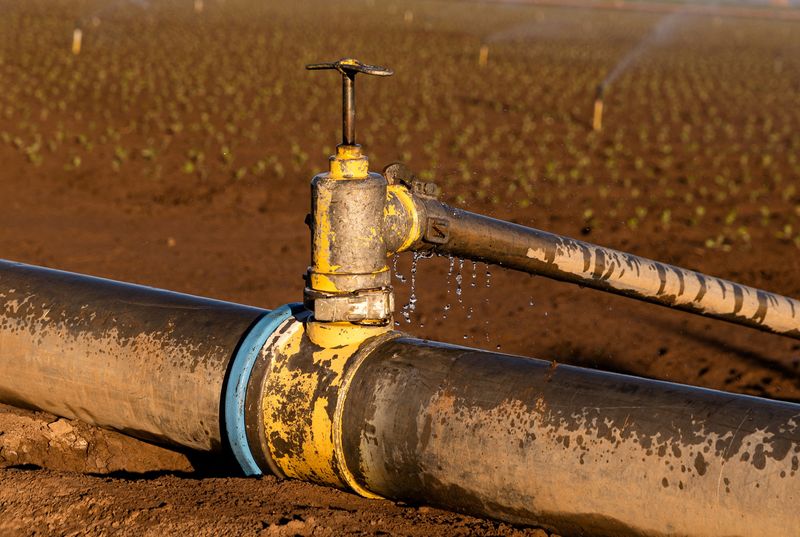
(239, 376)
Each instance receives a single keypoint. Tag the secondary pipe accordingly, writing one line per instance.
(452, 231)
(574, 450)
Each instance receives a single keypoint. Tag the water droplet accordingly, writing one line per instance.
(397, 274)
(447, 286)
(450, 270)
(469, 313)
(530, 302)
(487, 317)
(465, 336)
(459, 279)
(474, 282)
(411, 306)
(498, 347)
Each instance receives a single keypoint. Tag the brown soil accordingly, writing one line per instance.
(215, 232)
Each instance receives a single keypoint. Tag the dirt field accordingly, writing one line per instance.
(176, 150)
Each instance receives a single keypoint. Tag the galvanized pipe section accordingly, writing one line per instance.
(578, 451)
(146, 362)
(473, 236)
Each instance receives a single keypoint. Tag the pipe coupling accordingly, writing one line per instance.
(375, 305)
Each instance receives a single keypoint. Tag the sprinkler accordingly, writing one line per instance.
(483, 55)
(597, 119)
(77, 37)
(325, 391)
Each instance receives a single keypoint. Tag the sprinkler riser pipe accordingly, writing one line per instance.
(597, 119)
(77, 38)
(483, 56)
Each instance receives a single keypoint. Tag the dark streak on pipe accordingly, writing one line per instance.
(481, 238)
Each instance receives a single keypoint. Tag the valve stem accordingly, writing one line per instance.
(349, 67)
(349, 108)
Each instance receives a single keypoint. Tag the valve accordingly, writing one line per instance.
(349, 279)
(349, 68)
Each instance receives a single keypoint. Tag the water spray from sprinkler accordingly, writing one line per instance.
(597, 121)
(93, 20)
(483, 55)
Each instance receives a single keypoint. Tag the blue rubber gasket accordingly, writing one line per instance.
(236, 390)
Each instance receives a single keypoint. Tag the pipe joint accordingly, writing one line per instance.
(296, 393)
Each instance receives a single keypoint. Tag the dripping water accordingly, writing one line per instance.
(411, 306)
(449, 277)
(486, 318)
(459, 280)
(397, 274)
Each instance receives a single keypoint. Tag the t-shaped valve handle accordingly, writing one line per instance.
(349, 67)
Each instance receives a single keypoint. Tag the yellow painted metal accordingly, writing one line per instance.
(324, 237)
(405, 197)
(303, 386)
(363, 353)
(349, 163)
(321, 282)
(336, 335)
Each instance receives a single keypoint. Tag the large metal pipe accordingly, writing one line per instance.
(578, 451)
(575, 450)
(481, 238)
(147, 362)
